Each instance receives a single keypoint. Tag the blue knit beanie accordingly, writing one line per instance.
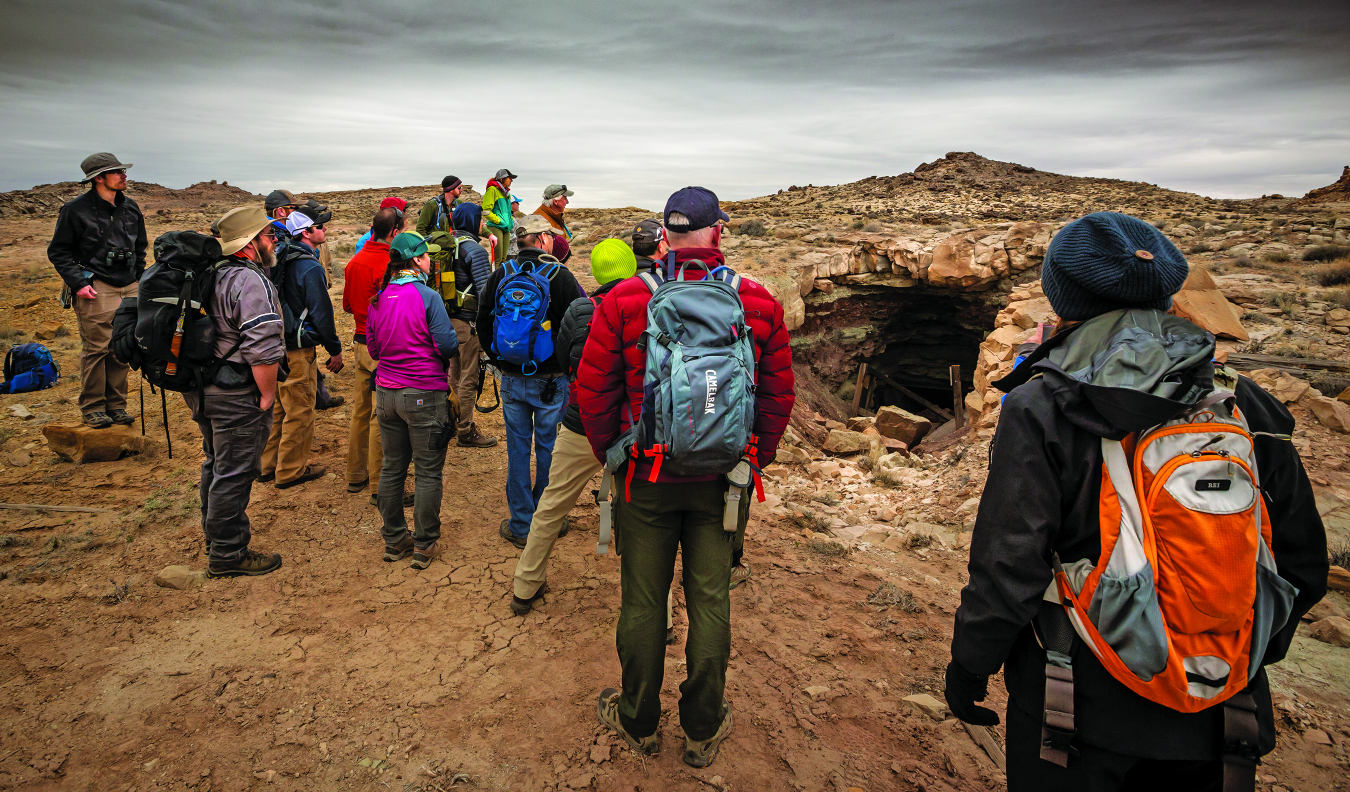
(1106, 261)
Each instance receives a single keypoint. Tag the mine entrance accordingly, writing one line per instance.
(909, 339)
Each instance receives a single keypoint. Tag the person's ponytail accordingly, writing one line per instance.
(394, 266)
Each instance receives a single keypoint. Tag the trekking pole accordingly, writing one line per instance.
(141, 379)
(164, 409)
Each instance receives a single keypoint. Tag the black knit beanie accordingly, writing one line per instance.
(1106, 261)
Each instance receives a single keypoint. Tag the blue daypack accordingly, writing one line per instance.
(520, 316)
(29, 367)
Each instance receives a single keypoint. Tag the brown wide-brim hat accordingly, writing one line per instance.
(239, 226)
(98, 164)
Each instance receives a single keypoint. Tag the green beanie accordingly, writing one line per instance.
(612, 260)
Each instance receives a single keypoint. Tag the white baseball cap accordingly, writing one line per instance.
(297, 222)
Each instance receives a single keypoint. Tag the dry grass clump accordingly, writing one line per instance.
(810, 521)
(1334, 273)
(918, 541)
(754, 228)
(1339, 554)
(890, 595)
(828, 548)
(1326, 253)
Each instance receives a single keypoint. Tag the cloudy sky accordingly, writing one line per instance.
(625, 101)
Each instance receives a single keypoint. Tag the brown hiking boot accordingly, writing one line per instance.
(607, 710)
(250, 563)
(739, 574)
(475, 439)
(423, 557)
(399, 551)
(703, 752)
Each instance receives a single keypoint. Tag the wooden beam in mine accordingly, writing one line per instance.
(911, 394)
(858, 390)
(957, 399)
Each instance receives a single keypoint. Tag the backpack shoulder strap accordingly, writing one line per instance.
(652, 280)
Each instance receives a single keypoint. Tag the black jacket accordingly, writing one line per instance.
(572, 335)
(75, 248)
(300, 279)
(1041, 496)
(563, 290)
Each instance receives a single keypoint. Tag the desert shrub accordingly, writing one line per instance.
(827, 548)
(1256, 317)
(1333, 273)
(1198, 247)
(1338, 297)
(889, 594)
(1285, 301)
(1242, 261)
(872, 227)
(1276, 257)
(918, 541)
(810, 521)
(1326, 253)
(753, 228)
(1339, 554)
(856, 225)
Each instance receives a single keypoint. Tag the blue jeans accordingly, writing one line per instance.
(529, 416)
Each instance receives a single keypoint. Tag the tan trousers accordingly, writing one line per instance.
(287, 450)
(365, 455)
(463, 375)
(103, 380)
(573, 465)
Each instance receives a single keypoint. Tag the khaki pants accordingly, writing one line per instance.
(103, 380)
(573, 465)
(287, 450)
(463, 375)
(364, 452)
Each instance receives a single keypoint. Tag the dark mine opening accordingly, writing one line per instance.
(909, 339)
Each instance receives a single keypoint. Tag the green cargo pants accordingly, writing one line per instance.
(658, 521)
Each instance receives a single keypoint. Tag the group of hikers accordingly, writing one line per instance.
(1146, 542)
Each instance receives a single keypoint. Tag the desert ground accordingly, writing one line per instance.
(342, 672)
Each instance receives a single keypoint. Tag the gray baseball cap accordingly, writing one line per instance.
(99, 164)
(505, 173)
(556, 190)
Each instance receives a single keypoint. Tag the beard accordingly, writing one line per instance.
(267, 257)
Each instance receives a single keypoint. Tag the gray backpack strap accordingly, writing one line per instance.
(1056, 635)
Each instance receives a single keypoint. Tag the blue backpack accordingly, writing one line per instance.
(29, 367)
(520, 332)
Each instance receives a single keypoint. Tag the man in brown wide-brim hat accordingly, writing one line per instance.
(98, 248)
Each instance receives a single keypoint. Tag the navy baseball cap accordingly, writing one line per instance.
(698, 205)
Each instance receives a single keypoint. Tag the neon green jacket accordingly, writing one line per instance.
(497, 206)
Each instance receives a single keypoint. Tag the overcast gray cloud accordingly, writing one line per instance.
(626, 101)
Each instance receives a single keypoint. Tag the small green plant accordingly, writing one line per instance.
(154, 505)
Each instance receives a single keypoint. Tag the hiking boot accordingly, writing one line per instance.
(702, 753)
(375, 499)
(566, 527)
(333, 401)
(310, 473)
(520, 607)
(399, 551)
(739, 574)
(422, 558)
(505, 533)
(121, 417)
(250, 563)
(607, 710)
(355, 488)
(266, 477)
(97, 420)
(475, 439)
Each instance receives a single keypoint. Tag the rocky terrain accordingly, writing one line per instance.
(342, 672)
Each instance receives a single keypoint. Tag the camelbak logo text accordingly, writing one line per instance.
(711, 377)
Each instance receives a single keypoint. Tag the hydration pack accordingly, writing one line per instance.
(520, 328)
(29, 367)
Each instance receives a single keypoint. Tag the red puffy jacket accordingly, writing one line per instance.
(612, 366)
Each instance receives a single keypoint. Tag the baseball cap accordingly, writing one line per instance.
(698, 205)
(279, 198)
(505, 173)
(647, 231)
(298, 221)
(555, 190)
(515, 198)
(394, 202)
(533, 224)
(408, 246)
(316, 211)
(450, 183)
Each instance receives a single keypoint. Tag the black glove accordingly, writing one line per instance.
(963, 690)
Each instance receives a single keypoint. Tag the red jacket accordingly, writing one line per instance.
(612, 366)
(361, 279)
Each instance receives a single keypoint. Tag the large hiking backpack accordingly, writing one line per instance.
(29, 367)
(698, 392)
(1185, 596)
(444, 267)
(174, 329)
(520, 332)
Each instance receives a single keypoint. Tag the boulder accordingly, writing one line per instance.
(1325, 608)
(86, 444)
(179, 577)
(861, 423)
(1280, 385)
(842, 441)
(46, 331)
(824, 286)
(927, 705)
(906, 427)
(792, 455)
(1333, 414)
(1333, 630)
(1337, 317)
(1338, 580)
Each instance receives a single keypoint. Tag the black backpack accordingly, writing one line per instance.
(174, 331)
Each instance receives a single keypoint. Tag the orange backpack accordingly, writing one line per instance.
(1185, 596)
